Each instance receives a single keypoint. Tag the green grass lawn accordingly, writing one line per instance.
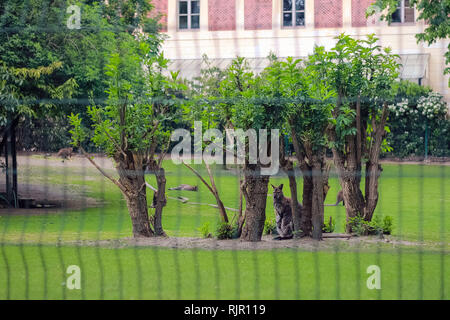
(31, 266)
(153, 273)
(415, 196)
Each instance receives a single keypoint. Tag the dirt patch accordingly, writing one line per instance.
(50, 198)
(267, 243)
(77, 160)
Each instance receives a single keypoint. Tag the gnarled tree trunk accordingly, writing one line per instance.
(306, 223)
(295, 205)
(306, 216)
(132, 179)
(255, 193)
(161, 200)
(349, 179)
(317, 208)
(296, 208)
(348, 166)
(373, 168)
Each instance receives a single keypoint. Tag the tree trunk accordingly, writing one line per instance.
(132, 179)
(9, 143)
(255, 192)
(373, 169)
(372, 174)
(350, 175)
(349, 179)
(161, 201)
(137, 208)
(241, 216)
(305, 220)
(295, 206)
(317, 208)
(306, 223)
(353, 197)
(288, 168)
(325, 177)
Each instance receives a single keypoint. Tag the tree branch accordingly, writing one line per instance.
(117, 183)
(200, 177)
(163, 153)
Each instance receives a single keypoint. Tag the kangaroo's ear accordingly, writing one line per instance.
(273, 186)
(281, 186)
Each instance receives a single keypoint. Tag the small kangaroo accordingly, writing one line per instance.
(185, 187)
(65, 153)
(340, 197)
(283, 213)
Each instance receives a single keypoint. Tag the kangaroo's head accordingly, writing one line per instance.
(277, 192)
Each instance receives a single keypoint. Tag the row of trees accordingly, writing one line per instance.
(336, 99)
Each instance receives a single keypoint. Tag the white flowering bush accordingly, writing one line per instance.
(402, 109)
(432, 106)
(415, 114)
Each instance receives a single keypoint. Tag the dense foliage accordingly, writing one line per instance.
(35, 35)
(418, 117)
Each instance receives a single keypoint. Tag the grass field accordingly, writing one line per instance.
(31, 266)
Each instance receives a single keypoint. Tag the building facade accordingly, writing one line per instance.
(224, 29)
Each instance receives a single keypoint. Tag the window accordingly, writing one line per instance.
(293, 13)
(404, 12)
(189, 14)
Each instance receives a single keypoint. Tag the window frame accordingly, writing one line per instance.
(189, 15)
(293, 12)
(401, 6)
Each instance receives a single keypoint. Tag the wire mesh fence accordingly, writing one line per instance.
(205, 176)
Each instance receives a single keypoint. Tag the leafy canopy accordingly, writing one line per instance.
(141, 101)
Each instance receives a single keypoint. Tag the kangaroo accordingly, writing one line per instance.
(185, 187)
(283, 213)
(65, 153)
(340, 197)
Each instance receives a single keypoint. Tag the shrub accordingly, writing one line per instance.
(418, 110)
(270, 227)
(204, 230)
(361, 227)
(387, 225)
(432, 106)
(224, 231)
(329, 226)
(234, 232)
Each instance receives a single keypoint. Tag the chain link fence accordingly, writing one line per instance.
(102, 205)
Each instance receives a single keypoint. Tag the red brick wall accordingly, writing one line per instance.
(359, 12)
(258, 14)
(160, 7)
(222, 15)
(328, 13)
